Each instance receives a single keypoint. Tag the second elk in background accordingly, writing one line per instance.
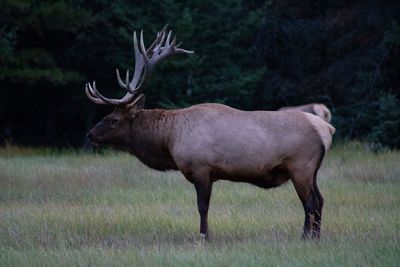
(315, 108)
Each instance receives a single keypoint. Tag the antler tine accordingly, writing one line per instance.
(97, 93)
(140, 67)
(178, 50)
(91, 91)
(127, 78)
(157, 41)
(182, 51)
(91, 96)
(143, 49)
(173, 42)
(168, 38)
(120, 82)
(100, 99)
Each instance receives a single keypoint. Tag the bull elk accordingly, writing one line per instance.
(211, 142)
(315, 108)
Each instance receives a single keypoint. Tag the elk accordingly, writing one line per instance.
(211, 142)
(314, 108)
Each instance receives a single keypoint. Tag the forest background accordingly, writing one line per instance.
(248, 54)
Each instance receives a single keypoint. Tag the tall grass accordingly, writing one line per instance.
(70, 208)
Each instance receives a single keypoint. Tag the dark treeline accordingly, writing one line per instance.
(249, 54)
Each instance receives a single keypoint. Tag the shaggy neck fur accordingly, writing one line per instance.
(150, 136)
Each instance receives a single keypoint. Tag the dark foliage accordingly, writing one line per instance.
(249, 54)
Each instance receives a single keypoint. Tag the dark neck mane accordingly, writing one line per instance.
(150, 138)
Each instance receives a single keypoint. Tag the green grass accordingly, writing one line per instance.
(66, 208)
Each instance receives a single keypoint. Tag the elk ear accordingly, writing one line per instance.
(138, 103)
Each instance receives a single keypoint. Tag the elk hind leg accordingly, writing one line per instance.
(309, 199)
(318, 212)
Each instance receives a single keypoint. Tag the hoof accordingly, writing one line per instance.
(310, 236)
(203, 237)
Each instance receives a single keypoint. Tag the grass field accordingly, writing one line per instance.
(82, 209)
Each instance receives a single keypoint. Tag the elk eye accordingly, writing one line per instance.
(113, 122)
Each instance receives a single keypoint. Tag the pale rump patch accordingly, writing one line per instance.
(324, 129)
(323, 112)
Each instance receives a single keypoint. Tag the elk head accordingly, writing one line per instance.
(113, 129)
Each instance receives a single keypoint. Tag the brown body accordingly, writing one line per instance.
(317, 109)
(208, 142)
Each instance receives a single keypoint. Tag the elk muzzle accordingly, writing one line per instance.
(92, 137)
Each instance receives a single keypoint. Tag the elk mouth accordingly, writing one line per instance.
(95, 144)
(93, 140)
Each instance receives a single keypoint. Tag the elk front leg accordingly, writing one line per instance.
(203, 190)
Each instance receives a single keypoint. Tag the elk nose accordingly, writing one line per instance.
(89, 136)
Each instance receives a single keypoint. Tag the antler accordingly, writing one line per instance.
(145, 61)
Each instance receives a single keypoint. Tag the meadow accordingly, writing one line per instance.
(77, 208)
